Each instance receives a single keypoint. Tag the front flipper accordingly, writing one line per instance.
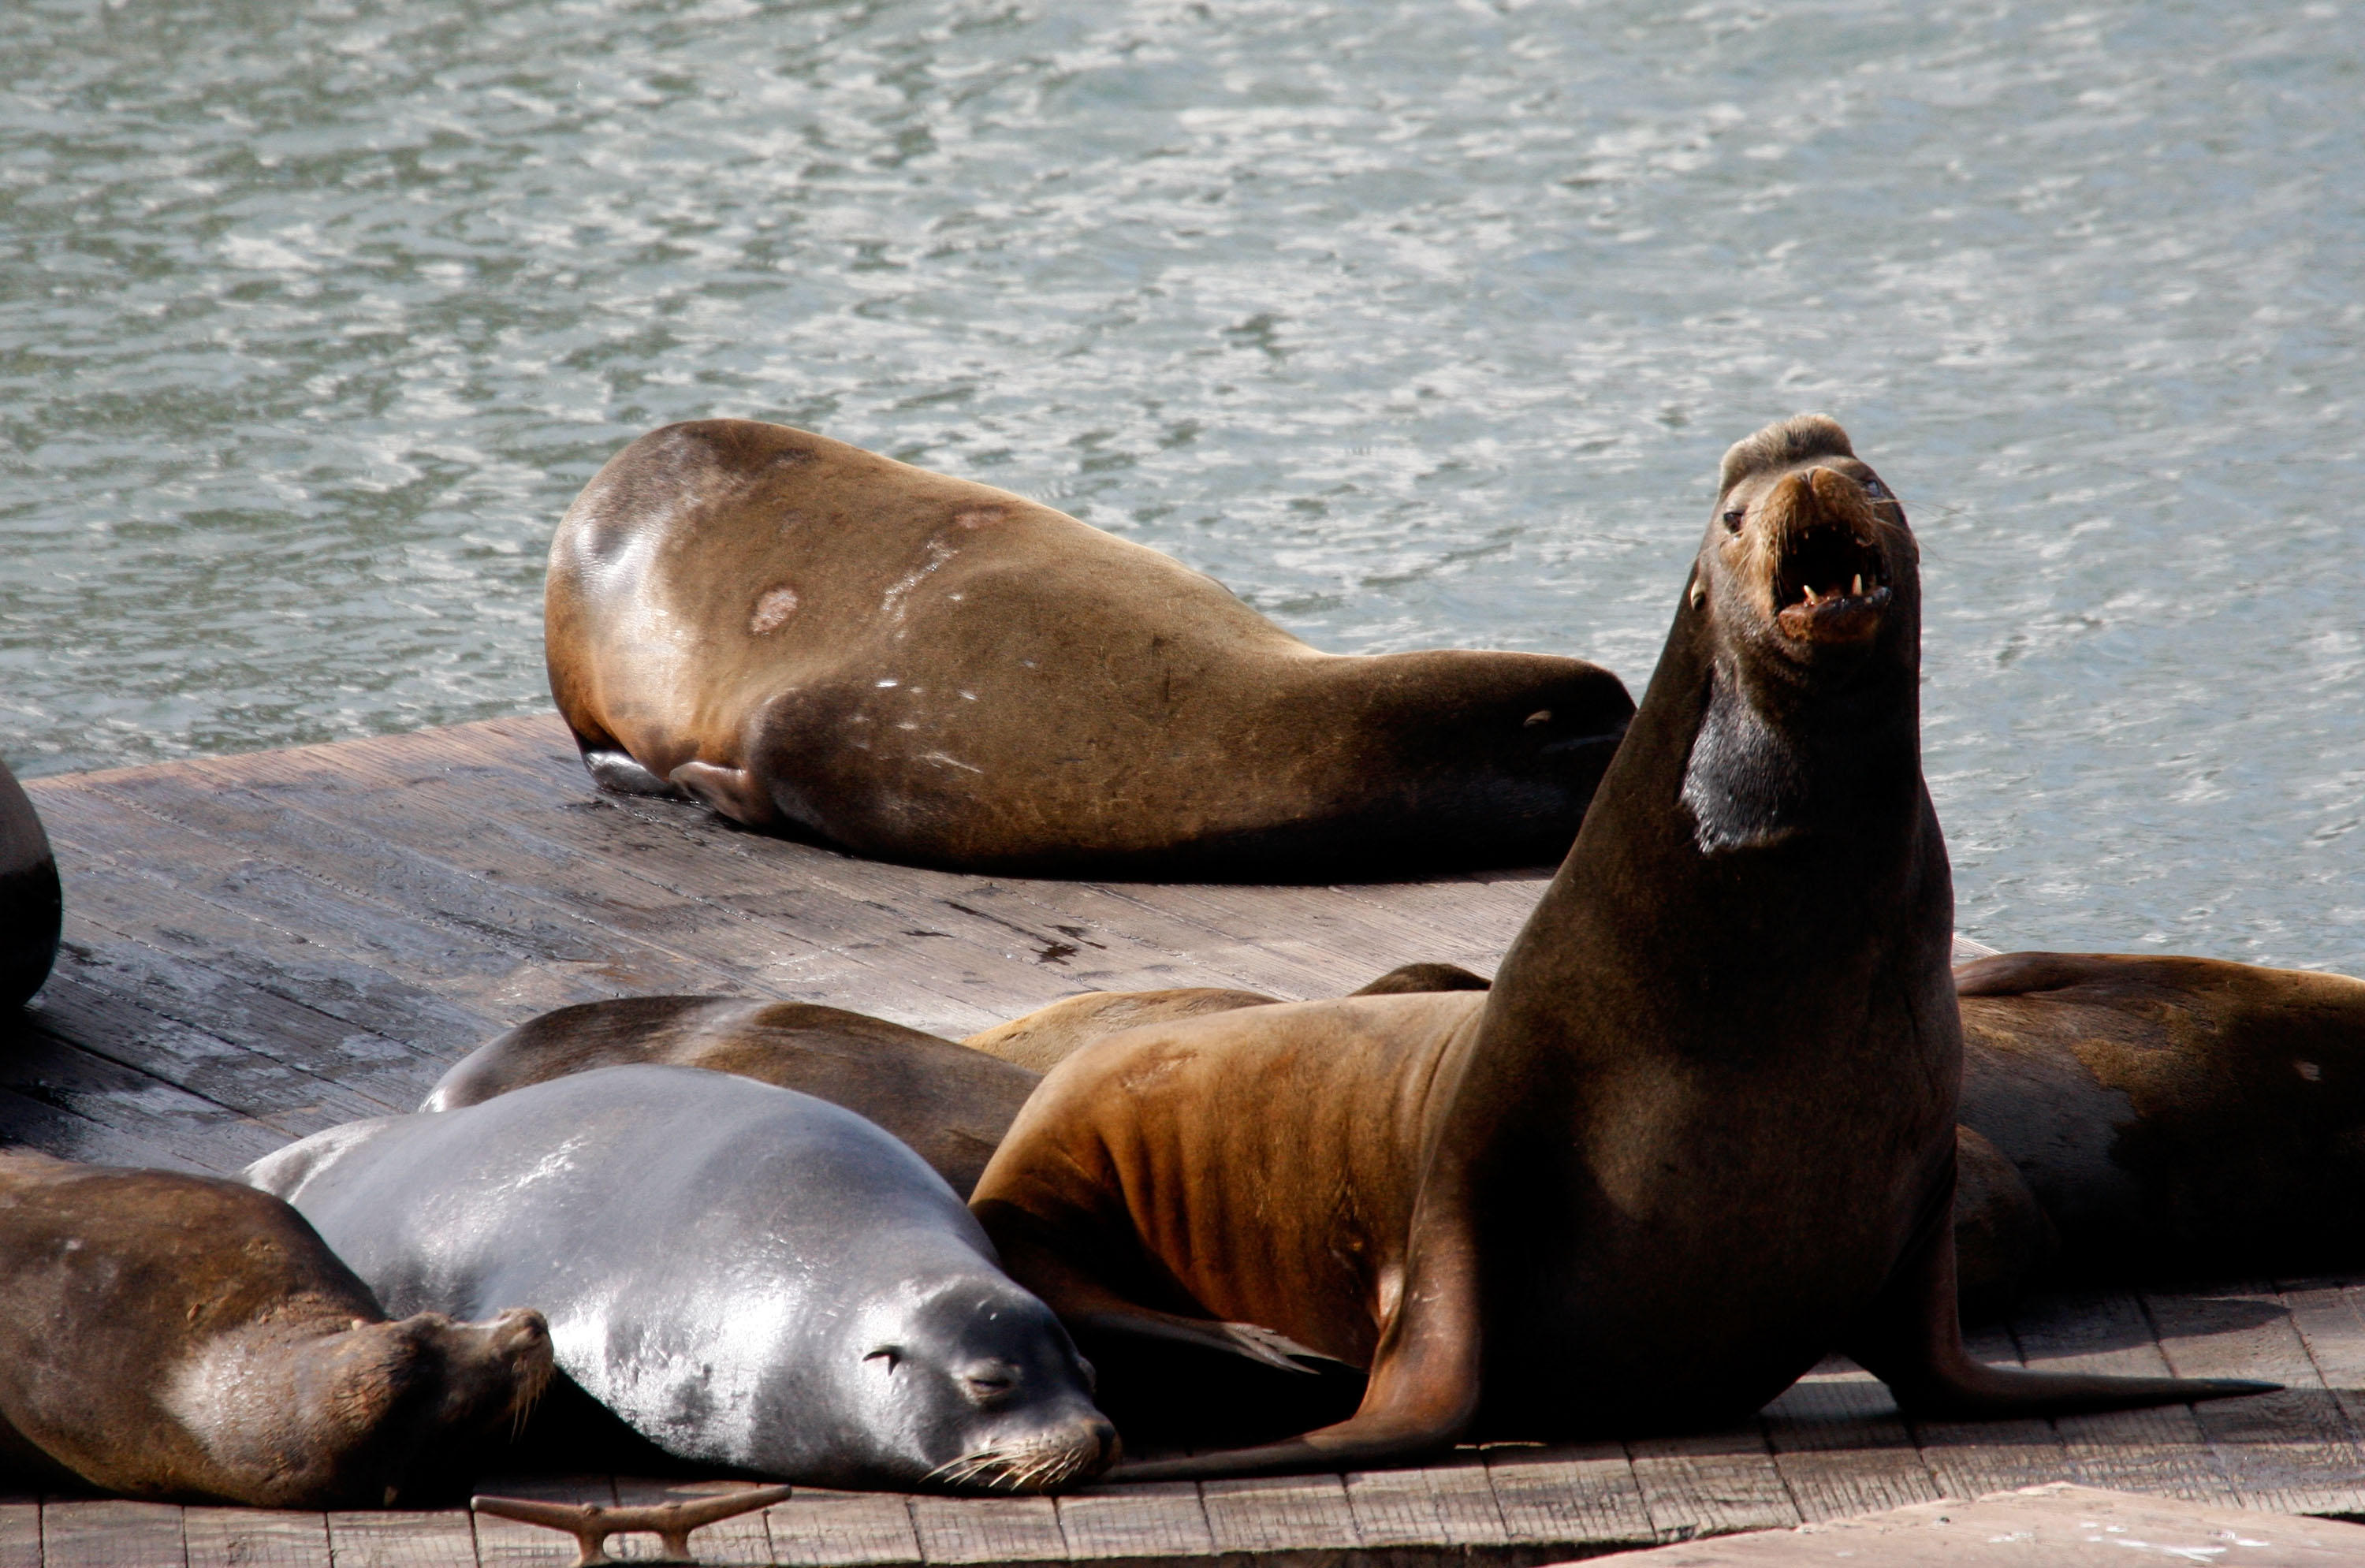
(1424, 1386)
(1912, 1340)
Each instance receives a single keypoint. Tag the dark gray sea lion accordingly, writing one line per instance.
(813, 638)
(1700, 1133)
(182, 1337)
(31, 908)
(2173, 1118)
(950, 1103)
(746, 1275)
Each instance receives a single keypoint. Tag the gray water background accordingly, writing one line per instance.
(1415, 323)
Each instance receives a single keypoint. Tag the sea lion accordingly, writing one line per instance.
(187, 1339)
(30, 909)
(749, 1276)
(813, 638)
(951, 1105)
(1698, 1135)
(1043, 1038)
(2173, 1117)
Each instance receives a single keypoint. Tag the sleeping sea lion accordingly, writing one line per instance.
(1700, 1133)
(2173, 1117)
(951, 1105)
(186, 1339)
(29, 906)
(746, 1275)
(813, 638)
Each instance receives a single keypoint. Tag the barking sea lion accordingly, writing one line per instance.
(1701, 1133)
(186, 1339)
(813, 638)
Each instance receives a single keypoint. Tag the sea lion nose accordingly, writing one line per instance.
(1833, 491)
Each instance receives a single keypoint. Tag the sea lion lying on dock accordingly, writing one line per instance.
(1700, 1133)
(815, 639)
(2170, 1117)
(746, 1275)
(191, 1340)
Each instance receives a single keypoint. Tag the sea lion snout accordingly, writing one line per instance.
(1829, 576)
(1815, 543)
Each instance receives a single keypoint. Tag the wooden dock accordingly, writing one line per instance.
(260, 947)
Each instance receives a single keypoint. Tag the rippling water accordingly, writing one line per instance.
(1416, 323)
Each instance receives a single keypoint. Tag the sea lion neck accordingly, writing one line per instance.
(1765, 811)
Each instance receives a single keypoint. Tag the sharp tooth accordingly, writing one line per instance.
(1858, 588)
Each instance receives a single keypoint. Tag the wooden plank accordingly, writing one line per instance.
(507, 1543)
(205, 999)
(820, 1528)
(1842, 1449)
(403, 1538)
(1571, 1494)
(20, 1532)
(1712, 1483)
(69, 1136)
(1971, 1458)
(112, 1534)
(990, 963)
(1119, 937)
(988, 1530)
(120, 906)
(2161, 1450)
(1306, 1517)
(363, 844)
(1136, 1525)
(1450, 1504)
(451, 853)
(291, 1097)
(2294, 1452)
(200, 1133)
(2326, 1312)
(255, 1537)
(742, 1538)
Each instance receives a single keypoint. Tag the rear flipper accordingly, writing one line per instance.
(1912, 1340)
(614, 769)
(1194, 1383)
(734, 792)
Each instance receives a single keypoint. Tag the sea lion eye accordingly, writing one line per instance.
(1733, 518)
(892, 1354)
(1876, 489)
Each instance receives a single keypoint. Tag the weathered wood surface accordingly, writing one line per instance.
(259, 947)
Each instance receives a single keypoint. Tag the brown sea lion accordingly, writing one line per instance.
(29, 905)
(182, 1337)
(949, 1104)
(813, 638)
(1042, 1039)
(1700, 1133)
(2173, 1117)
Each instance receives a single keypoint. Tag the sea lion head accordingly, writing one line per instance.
(1808, 558)
(401, 1401)
(970, 1384)
(1802, 626)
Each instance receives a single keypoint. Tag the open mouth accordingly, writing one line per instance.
(1828, 587)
